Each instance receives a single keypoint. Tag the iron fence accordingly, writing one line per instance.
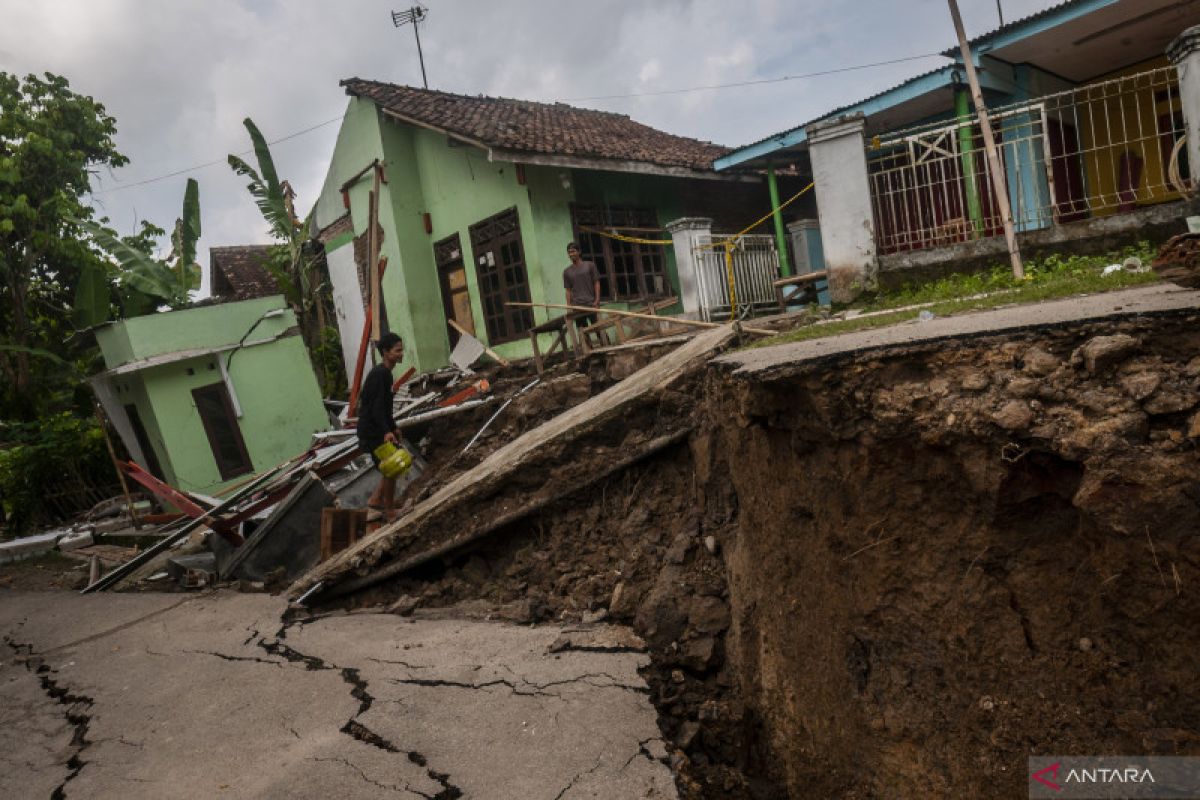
(755, 269)
(1098, 149)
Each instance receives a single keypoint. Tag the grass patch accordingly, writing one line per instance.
(1045, 279)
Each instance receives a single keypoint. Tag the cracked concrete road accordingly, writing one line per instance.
(123, 695)
(1155, 298)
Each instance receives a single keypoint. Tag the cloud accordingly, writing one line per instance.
(179, 77)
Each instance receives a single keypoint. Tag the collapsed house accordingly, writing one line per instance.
(206, 395)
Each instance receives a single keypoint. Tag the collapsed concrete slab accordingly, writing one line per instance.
(630, 421)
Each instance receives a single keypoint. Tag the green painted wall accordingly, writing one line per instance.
(274, 384)
(131, 390)
(280, 402)
(358, 144)
(458, 187)
(190, 329)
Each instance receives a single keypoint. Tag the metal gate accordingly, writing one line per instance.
(755, 270)
(1096, 149)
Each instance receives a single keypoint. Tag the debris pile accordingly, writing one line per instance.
(1178, 260)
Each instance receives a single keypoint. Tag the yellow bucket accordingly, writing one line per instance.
(393, 461)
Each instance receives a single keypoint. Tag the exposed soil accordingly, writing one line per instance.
(897, 574)
(979, 553)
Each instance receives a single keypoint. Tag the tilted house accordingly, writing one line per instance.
(482, 196)
(205, 395)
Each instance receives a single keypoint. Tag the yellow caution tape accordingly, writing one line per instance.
(634, 240)
(732, 240)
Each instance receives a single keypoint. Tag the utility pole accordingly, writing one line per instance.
(989, 144)
(414, 15)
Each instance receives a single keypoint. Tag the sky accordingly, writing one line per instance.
(180, 76)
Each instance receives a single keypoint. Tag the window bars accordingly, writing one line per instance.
(1099, 149)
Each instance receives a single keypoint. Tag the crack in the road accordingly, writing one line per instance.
(575, 780)
(76, 708)
(227, 657)
(641, 751)
(359, 691)
(389, 786)
(539, 689)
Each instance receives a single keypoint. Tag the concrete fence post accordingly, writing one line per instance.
(839, 165)
(685, 233)
(1184, 53)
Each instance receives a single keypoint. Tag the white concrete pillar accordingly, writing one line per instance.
(1184, 52)
(839, 164)
(685, 234)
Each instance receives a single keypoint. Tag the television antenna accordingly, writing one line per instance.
(413, 16)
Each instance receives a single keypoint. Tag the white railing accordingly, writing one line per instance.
(755, 269)
(1099, 149)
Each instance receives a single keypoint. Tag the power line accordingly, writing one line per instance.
(661, 92)
(207, 164)
(749, 83)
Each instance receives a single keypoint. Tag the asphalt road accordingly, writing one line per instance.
(181, 696)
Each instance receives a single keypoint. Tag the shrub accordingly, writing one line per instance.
(61, 455)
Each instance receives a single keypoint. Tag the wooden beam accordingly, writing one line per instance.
(530, 504)
(695, 323)
(354, 178)
(999, 184)
(494, 492)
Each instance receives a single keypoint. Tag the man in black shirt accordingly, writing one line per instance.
(376, 424)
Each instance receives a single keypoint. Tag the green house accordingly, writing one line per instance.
(206, 395)
(481, 197)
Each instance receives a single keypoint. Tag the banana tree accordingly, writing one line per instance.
(273, 198)
(143, 282)
(296, 272)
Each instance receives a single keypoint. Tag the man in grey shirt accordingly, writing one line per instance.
(581, 279)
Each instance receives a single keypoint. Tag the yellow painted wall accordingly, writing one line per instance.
(1126, 121)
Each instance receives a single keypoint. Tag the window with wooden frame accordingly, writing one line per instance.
(500, 267)
(221, 427)
(628, 270)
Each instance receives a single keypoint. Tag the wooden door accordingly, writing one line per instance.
(502, 276)
(452, 277)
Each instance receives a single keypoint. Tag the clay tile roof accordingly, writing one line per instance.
(523, 126)
(238, 273)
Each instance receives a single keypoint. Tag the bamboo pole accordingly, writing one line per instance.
(989, 144)
(695, 323)
(112, 454)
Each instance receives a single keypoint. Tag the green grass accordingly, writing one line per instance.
(1045, 279)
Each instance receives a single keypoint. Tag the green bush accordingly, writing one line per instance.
(58, 453)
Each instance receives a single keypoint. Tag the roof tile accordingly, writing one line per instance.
(239, 273)
(525, 126)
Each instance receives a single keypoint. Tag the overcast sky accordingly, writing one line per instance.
(180, 76)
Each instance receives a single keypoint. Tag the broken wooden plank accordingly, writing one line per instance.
(694, 323)
(400, 566)
(499, 359)
(542, 465)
